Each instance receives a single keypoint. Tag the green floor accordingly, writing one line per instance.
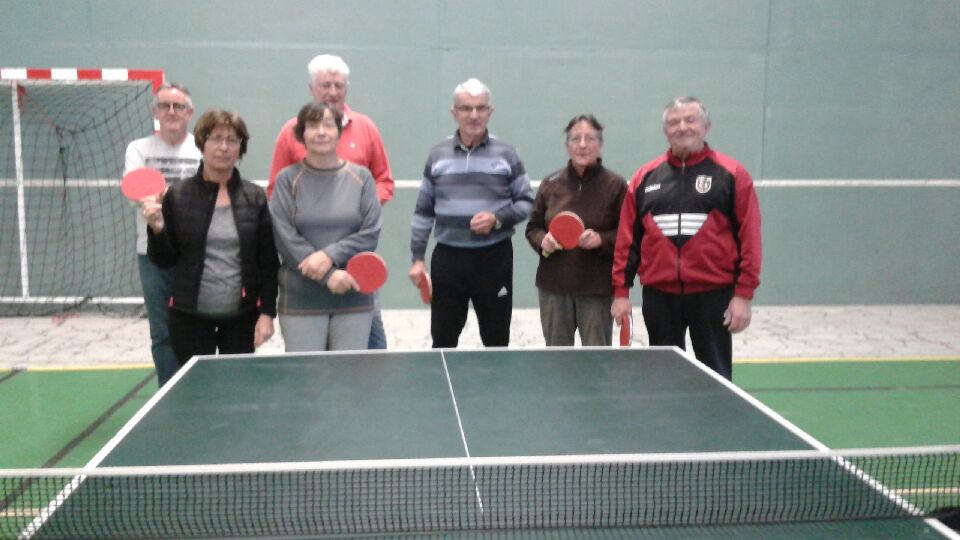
(863, 404)
(61, 418)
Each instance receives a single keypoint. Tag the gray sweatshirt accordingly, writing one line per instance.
(333, 210)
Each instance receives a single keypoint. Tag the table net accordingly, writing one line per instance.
(397, 496)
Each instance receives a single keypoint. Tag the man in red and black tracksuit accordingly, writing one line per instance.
(690, 228)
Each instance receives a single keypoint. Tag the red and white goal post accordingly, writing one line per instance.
(67, 233)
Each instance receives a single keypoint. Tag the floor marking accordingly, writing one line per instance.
(87, 367)
(858, 388)
(8, 376)
(851, 359)
(15, 494)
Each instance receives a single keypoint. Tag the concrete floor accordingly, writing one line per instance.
(794, 332)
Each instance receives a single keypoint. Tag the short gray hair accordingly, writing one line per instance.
(678, 102)
(325, 63)
(473, 87)
(171, 86)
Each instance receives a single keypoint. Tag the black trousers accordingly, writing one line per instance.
(195, 334)
(667, 317)
(483, 276)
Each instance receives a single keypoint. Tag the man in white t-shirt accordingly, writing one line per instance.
(172, 151)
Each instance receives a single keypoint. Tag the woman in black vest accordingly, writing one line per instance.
(214, 229)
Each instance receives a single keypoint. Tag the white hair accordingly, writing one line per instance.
(171, 86)
(326, 63)
(680, 101)
(473, 87)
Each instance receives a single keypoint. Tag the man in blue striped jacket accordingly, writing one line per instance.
(474, 192)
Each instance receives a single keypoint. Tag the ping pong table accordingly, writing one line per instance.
(475, 404)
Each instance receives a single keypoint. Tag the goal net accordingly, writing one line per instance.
(67, 235)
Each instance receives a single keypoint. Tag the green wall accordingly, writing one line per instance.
(805, 90)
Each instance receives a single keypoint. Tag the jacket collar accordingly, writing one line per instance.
(692, 159)
(588, 173)
(232, 183)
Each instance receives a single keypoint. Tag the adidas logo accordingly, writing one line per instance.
(503, 292)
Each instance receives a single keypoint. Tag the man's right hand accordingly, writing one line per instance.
(620, 308)
(416, 270)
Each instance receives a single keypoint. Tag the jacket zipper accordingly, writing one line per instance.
(683, 171)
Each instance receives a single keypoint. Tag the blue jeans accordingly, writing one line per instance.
(378, 336)
(155, 282)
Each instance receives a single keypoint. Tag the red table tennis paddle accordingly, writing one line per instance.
(368, 270)
(626, 330)
(141, 183)
(426, 287)
(566, 228)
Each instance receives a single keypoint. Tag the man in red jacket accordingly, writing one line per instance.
(690, 229)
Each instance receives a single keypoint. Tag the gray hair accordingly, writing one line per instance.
(325, 63)
(678, 102)
(473, 87)
(171, 86)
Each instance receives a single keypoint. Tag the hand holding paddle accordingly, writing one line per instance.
(146, 186)
(565, 229)
(590, 239)
(340, 282)
(153, 213)
(421, 280)
(426, 287)
(622, 313)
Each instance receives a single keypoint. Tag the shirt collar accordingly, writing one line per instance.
(483, 141)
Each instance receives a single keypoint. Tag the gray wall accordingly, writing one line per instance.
(806, 90)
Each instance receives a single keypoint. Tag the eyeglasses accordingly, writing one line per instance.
(467, 109)
(577, 139)
(178, 107)
(217, 141)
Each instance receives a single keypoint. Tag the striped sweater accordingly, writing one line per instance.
(458, 183)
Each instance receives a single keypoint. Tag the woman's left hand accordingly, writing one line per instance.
(340, 282)
(590, 239)
(263, 331)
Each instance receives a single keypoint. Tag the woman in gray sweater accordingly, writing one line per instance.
(325, 211)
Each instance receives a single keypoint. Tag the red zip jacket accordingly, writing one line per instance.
(689, 226)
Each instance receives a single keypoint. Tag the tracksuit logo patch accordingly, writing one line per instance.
(703, 183)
